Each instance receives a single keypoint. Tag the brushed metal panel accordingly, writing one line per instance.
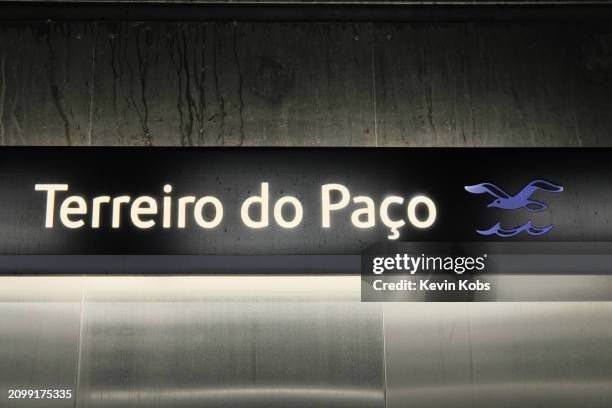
(498, 354)
(39, 337)
(239, 349)
(223, 288)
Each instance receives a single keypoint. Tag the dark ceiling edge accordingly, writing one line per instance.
(106, 11)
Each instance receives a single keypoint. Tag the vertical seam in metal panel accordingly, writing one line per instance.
(80, 345)
(373, 83)
(469, 333)
(382, 312)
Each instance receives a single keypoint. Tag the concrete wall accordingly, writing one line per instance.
(305, 84)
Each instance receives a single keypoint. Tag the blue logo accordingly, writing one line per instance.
(522, 199)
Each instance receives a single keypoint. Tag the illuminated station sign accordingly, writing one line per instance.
(294, 201)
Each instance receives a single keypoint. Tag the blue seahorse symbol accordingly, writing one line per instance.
(512, 202)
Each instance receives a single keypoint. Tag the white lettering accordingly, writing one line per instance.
(182, 210)
(327, 207)
(95, 210)
(67, 209)
(278, 212)
(431, 211)
(143, 206)
(368, 211)
(198, 212)
(117, 201)
(263, 202)
(394, 225)
(50, 209)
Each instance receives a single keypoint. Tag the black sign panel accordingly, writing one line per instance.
(318, 201)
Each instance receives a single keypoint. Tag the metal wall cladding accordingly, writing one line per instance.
(232, 354)
(39, 337)
(157, 342)
(296, 342)
(498, 354)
